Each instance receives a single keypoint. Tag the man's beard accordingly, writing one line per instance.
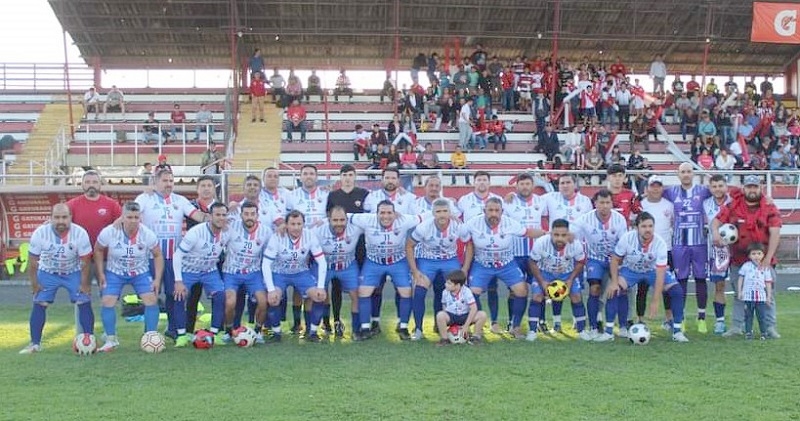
(753, 197)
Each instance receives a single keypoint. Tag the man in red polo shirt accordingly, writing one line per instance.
(758, 221)
(257, 92)
(295, 120)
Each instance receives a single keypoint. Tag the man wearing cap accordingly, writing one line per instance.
(162, 164)
(664, 214)
(758, 221)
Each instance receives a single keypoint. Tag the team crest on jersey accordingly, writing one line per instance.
(650, 256)
(357, 203)
(102, 211)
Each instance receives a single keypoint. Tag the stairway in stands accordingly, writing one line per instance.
(39, 142)
(258, 145)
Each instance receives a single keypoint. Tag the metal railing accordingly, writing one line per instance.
(44, 76)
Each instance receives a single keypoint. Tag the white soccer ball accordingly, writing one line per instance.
(639, 334)
(729, 234)
(243, 336)
(84, 344)
(455, 334)
(152, 342)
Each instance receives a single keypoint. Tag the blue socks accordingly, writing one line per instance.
(517, 310)
(239, 309)
(180, 316)
(217, 310)
(172, 306)
(86, 317)
(355, 322)
(365, 311)
(494, 305)
(109, 316)
(611, 313)
(580, 315)
(316, 315)
(534, 311)
(593, 307)
(419, 306)
(404, 309)
(622, 309)
(676, 294)
(150, 318)
(719, 310)
(274, 317)
(38, 316)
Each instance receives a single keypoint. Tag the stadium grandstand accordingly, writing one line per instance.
(550, 86)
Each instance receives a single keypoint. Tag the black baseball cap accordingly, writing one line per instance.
(347, 168)
(615, 169)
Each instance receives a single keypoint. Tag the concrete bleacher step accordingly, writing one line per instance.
(50, 121)
(258, 145)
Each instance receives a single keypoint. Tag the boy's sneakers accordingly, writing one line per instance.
(475, 340)
(679, 337)
(623, 332)
(110, 345)
(702, 327)
(338, 328)
(719, 328)
(260, 338)
(31, 349)
(222, 338)
(417, 335)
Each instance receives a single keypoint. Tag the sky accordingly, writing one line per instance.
(30, 33)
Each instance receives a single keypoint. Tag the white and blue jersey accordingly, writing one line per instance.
(435, 243)
(718, 256)
(472, 205)
(266, 216)
(403, 202)
(288, 259)
(274, 203)
(164, 216)
(556, 264)
(640, 261)
(385, 245)
(128, 256)
(245, 248)
(689, 229)
(458, 303)
(340, 250)
(60, 254)
(310, 203)
(529, 213)
(754, 285)
(202, 248)
(424, 207)
(493, 251)
(600, 236)
(556, 206)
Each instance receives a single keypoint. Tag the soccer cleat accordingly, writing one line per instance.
(496, 329)
(222, 338)
(274, 338)
(110, 345)
(702, 327)
(442, 342)
(531, 336)
(404, 335)
(326, 327)
(603, 337)
(375, 328)
(31, 349)
(719, 328)
(182, 341)
(475, 340)
(338, 328)
(733, 332)
(260, 338)
(667, 325)
(587, 335)
(296, 329)
(517, 333)
(543, 327)
(772, 333)
(557, 328)
(171, 334)
(623, 332)
(313, 338)
(417, 335)
(679, 337)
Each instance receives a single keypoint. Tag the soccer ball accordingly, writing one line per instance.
(203, 339)
(84, 344)
(152, 342)
(557, 290)
(639, 334)
(455, 334)
(243, 336)
(729, 234)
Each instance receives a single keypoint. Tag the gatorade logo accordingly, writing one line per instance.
(786, 23)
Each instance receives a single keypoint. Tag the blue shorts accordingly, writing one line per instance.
(457, 319)
(50, 283)
(372, 273)
(596, 270)
(211, 281)
(141, 284)
(522, 262)
(253, 282)
(536, 289)
(348, 277)
(632, 278)
(167, 278)
(434, 268)
(301, 282)
(479, 275)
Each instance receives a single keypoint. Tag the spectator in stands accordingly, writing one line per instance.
(705, 160)
(377, 140)
(778, 158)
(480, 131)
(408, 159)
(388, 87)
(497, 133)
(379, 160)
(594, 161)
(658, 71)
(508, 85)
(689, 124)
(295, 120)
(638, 131)
(343, 87)
(624, 99)
(722, 120)
(724, 161)
(711, 88)
(548, 142)
(360, 142)
(162, 164)
(759, 161)
(692, 87)
(256, 63)
(541, 110)
(573, 141)
(152, 129)
(417, 64)
(458, 161)
(294, 88)
(766, 86)
(615, 156)
(258, 91)
(677, 85)
(278, 84)
(429, 159)
(697, 149)
(91, 103)
(178, 118)
(204, 119)
(314, 86)
(145, 172)
(394, 160)
(212, 160)
(651, 117)
(465, 124)
(115, 102)
(706, 128)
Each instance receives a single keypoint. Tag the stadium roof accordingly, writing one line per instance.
(361, 33)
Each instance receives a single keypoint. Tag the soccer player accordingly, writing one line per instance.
(162, 211)
(641, 256)
(242, 267)
(459, 307)
(128, 248)
(433, 192)
(600, 229)
(473, 204)
(251, 192)
(385, 233)
(273, 197)
(351, 198)
(286, 263)
(525, 207)
(206, 196)
(339, 242)
(492, 238)
(664, 213)
(719, 255)
(555, 257)
(195, 261)
(60, 256)
(432, 252)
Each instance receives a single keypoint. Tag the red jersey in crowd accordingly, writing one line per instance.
(94, 215)
(753, 223)
(626, 203)
(618, 68)
(507, 80)
(692, 86)
(177, 116)
(257, 88)
(296, 113)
